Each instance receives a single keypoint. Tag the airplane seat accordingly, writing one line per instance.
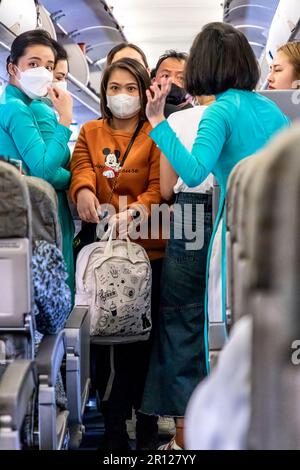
(273, 210)
(16, 319)
(17, 371)
(46, 227)
(231, 229)
(238, 245)
(45, 223)
(17, 310)
(218, 326)
(18, 386)
(263, 403)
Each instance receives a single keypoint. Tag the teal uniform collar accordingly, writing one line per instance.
(14, 91)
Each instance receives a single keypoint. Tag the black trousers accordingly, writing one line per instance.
(131, 363)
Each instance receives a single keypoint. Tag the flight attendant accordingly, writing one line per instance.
(235, 126)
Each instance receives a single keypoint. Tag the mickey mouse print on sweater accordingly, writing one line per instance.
(112, 166)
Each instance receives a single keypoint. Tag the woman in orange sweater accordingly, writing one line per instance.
(99, 177)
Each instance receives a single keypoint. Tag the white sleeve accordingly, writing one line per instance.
(218, 413)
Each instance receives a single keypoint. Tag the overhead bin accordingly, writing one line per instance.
(88, 22)
(91, 23)
(18, 16)
(285, 21)
(6, 39)
(44, 21)
(253, 18)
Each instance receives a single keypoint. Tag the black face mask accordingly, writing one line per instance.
(176, 96)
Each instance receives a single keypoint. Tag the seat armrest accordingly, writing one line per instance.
(16, 389)
(49, 357)
(77, 317)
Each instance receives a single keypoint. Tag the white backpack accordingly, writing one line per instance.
(114, 279)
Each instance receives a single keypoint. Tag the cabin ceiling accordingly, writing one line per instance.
(158, 25)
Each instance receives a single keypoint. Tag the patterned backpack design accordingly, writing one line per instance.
(114, 279)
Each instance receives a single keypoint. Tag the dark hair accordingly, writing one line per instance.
(35, 37)
(140, 74)
(61, 53)
(153, 73)
(171, 54)
(220, 58)
(121, 46)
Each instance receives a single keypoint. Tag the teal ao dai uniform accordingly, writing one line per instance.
(236, 126)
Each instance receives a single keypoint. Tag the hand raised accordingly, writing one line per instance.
(156, 101)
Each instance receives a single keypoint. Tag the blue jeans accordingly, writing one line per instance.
(178, 358)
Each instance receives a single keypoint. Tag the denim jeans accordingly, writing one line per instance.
(178, 358)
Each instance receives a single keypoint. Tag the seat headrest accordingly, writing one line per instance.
(15, 210)
(44, 206)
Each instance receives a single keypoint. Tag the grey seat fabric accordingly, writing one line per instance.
(45, 226)
(77, 333)
(16, 319)
(15, 219)
(274, 283)
(17, 322)
(263, 223)
(17, 391)
(44, 206)
(239, 191)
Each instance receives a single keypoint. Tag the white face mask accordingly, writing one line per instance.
(123, 106)
(34, 82)
(63, 85)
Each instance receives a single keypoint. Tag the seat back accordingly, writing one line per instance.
(44, 205)
(16, 321)
(17, 391)
(287, 100)
(231, 236)
(274, 284)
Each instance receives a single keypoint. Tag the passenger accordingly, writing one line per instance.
(239, 123)
(172, 65)
(178, 358)
(285, 69)
(47, 123)
(127, 51)
(91, 188)
(30, 67)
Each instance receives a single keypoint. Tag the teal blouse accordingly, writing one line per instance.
(21, 138)
(234, 127)
(47, 123)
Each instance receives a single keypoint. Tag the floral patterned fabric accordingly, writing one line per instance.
(51, 293)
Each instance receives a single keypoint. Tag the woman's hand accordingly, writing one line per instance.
(121, 221)
(63, 103)
(88, 206)
(156, 101)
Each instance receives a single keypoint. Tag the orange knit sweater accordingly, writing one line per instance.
(138, 178)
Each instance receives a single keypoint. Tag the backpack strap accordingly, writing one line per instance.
(134, 136)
